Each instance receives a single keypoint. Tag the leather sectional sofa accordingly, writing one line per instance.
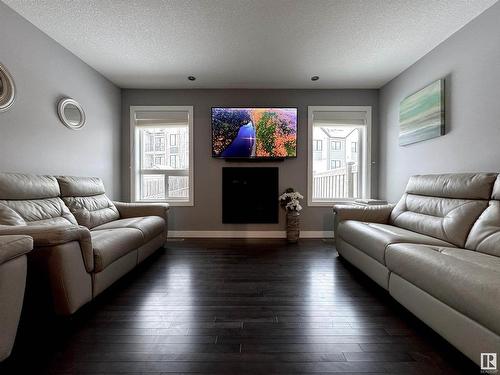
(83, 242)
(437, 252)
(13, 250)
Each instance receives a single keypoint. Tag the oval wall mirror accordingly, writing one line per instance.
(7, 89)
(71, 113)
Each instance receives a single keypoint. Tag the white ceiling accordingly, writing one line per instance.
(250, 43)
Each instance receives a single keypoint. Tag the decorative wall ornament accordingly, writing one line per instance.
(71, 113)
(421, 115)
(7, 89)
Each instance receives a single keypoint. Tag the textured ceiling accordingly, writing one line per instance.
(249, 43)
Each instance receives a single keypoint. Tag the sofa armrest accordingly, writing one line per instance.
(128, 210)
(372, 214)
(53, 235)
(12, 247)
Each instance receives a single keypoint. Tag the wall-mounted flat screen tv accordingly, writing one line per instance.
(254, 133)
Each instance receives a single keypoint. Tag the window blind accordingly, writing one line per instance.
(161, 118)
(325, 118)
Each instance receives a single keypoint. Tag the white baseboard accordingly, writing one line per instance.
(316, 234)
(245, 234)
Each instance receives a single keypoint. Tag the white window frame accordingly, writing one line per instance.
(170, 140)
(354, 147)
(334, 145)
(366, 150)
(175, 159)
(335, 163)
(135, 157)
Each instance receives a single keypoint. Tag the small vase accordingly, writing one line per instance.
(292, 226)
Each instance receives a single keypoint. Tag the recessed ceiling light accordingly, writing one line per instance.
(314, 78)
(192, 78)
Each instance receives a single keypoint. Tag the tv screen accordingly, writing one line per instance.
(256, 133)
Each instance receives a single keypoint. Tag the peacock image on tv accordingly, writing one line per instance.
(258, 133)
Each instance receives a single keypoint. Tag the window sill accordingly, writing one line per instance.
(170, 203)
(330, 203)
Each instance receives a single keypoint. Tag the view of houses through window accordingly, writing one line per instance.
(164, 149)
(336, 162)
(162, 161)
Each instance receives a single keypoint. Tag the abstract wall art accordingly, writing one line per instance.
(421, 115)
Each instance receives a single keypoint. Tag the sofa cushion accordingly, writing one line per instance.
(49, 211)
(485, 234)
(14, 246)
(10, 217)
(86, 198)
(453, 185)
(150, 226)
(444, 206)
(72, 186)
(373, 238)
(31, 200)
(465, 280)
(495, 194)
(17, 186)
(111, 244)
(92, 211)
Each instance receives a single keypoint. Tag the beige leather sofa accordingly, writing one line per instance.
(83, 241)
(13, 251)
(437, 252)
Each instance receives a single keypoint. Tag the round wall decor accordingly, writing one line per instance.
(7, 89)
(71, 113)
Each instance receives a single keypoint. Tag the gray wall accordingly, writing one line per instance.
(206, 214)
(32, 139)
(470, 62)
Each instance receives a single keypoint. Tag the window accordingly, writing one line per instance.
(159, 141)
(159, 160)
(343, 174)
(161, 173)
(173, 140)
(148, 142)
(318, 145)
(173, 161)
(335, 163)
(336, 145)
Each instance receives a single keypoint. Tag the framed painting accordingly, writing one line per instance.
(421, 115)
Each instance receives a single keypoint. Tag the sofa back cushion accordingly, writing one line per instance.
(444, 206)
(485, 233)
(32, 200)
(87, 200)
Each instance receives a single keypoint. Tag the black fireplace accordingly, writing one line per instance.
(250, 195)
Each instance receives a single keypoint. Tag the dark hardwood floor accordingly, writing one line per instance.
(237, 307)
